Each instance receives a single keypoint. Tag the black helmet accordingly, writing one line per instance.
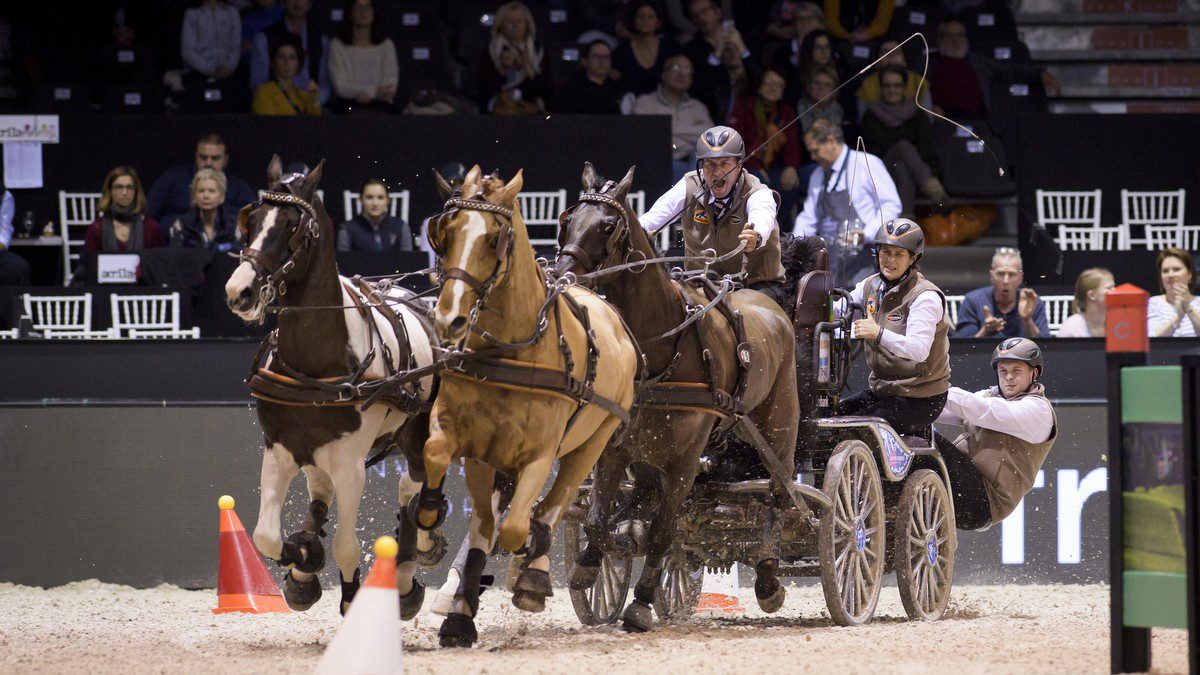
(1019, 349)
(720, 141)
(904, 233)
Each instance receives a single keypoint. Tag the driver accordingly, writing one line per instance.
(738, 208)
(1007, 432)
(904, 334)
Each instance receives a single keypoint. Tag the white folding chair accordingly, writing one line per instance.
(63, 315)
(76, 210)
(185, 333)
(10, 334)
(1091, 238)
(397, 204)
(146, 316)
(1188, 237)
(952, 304)
(1058, 308)
(541, 210)
(1069, 214)
(1153, 213)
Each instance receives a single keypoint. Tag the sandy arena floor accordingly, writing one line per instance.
(94, 627)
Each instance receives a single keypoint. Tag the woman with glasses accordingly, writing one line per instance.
(758, 119)
(900, 134)
(122, 225)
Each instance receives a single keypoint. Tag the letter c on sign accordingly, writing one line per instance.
(1122, 330)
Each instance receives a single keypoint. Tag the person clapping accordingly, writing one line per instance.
(1175, 313)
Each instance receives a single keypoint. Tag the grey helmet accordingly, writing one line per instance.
(720, 141)
(904, 233)
(1020, 349)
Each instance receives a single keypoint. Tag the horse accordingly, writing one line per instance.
(559, 389)
(328, 383)
(692, 374)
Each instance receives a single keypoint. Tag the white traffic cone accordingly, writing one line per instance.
(719, 592)
(369, 640)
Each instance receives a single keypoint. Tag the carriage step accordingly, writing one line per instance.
(761, 485)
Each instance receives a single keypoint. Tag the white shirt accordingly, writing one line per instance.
(1075, 326)
(872, 192)
(1159, 315)
(924, 314)
(760, 209)
(1030, 419)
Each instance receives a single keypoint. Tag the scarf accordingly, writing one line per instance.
(108, 236)
(765, 116)
(894, 115)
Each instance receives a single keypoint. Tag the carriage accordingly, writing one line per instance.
(880, 502)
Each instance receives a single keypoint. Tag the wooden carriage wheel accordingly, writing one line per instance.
(851, 535)
(924, 541)
(604, 601)
(679, 590)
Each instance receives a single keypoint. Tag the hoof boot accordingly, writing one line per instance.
(410, 604)
(637, 617)
(457, 631)
(300, 595)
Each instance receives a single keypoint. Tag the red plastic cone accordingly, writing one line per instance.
(369, 640)
(243, 583)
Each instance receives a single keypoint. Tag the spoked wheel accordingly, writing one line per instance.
(851, 535)
(679, 591)
(925, 540)
(603, 602)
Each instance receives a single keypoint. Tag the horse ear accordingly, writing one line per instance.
(274, 170)
(313, 179)
(623, 187)
(443, 187)
(589, 177)
(473, 175)
(509, 192)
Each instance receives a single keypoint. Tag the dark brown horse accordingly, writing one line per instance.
(603, 231)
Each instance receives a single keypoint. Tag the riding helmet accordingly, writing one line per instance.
(720, 141)
(904, 233)
(1019, 349)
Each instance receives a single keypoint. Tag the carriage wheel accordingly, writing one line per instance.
(603, 602)
(679, 591)
(851, 535)
(925, 540)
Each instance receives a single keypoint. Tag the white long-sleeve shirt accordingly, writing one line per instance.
(211, 38)
(1030, 419)
(872, 193)
(760, 209)
(924, 315)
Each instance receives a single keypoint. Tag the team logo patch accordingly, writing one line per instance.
(894, 317)
(701, 216)
(870, 305)
(735, 220)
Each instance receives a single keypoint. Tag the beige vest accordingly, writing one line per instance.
(1007, 464)
(895, 376)
(699, 233)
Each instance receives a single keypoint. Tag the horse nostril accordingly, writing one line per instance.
(458, 323)
(245, 294)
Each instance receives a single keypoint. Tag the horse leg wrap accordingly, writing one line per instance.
(767, 589)
(457, 631)
(300, 595)
(531, 590)
(587, 568)
(428, 499)
(303, 550)
(539, 542)
(472, 578)
(349, 590)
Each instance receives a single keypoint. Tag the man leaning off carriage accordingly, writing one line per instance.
(719, 209)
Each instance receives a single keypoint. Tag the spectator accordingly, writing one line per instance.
(817, 104)
(689, 117)
(209, 224)
(1175, 313)
(785, 57)
(596, 17)
(211, 46)
(170, 197)
(124, 62)
(720, 58)
(640, 58)
(858, 20)
(960, 82)
(316, 48)
(792, 21)
(850, 196)
(280, 96)
(592, 89)
(816, 53)
(374, 229)
(513, 79)
(122, 224)
(362, 64)
(899, 132)
(1087, 319)
(758, 118)
(258, 17)
(14, 270)
(869, 92)
(1003, 309)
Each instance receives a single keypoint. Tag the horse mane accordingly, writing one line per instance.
(800, 256)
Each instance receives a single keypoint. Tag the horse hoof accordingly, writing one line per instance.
(433, 557)
(443, 603)
(584, 577)
(637, 617)
(773, 601)
(410, 604)
(305, 551)
(300, 595)
(457, 631)
(531, 590)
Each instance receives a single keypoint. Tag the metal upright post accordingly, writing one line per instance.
(1191, 486)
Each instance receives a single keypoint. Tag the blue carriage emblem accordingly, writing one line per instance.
(931, 549)
(898, 456)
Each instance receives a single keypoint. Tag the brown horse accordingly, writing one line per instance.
(559, 390)
(670, 434)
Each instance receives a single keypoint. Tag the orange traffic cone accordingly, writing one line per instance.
(719, 592)
(369, 640)
(243, 583)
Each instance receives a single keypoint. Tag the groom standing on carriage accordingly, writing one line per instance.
(719, 209)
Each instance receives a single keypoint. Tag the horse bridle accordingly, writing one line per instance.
(613, 248)
(273, 273)
(503, 247)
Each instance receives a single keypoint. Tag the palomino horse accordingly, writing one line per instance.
(559, 390)
(693, 375)
(338, 346)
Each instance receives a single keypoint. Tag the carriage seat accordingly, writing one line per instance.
(812, 299)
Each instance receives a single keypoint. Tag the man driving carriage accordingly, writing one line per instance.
(1008, 430)
(719, 209)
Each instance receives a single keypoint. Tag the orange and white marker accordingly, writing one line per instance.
(369, 643)
(243, 583)
(719, 592)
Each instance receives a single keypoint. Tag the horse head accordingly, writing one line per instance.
(279, 234)
(474, 237)
(595, 233)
